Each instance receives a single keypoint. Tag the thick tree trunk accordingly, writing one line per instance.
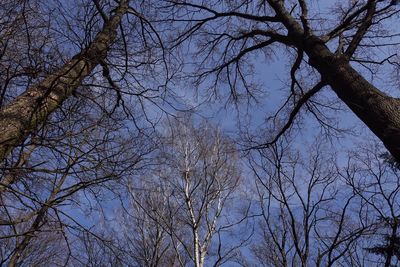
(380, 112)
(32, 108)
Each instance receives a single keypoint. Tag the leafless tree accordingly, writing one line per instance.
(309, 216)
(376, 183)
(29, 212)
(146, 224)
(22, 115)
(180, 215)
(329, 44)
(75, 161)
(78, 83)
(91, 30)
(76, 164)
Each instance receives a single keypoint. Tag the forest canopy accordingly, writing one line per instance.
(199, 133)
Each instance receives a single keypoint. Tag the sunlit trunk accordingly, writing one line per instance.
(31, 109)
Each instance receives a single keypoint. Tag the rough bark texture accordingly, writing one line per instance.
(380, 112)
(377, 110)
(32, 108)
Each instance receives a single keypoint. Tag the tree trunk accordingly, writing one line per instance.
(197, 250)
(31, 109)
(380, 112)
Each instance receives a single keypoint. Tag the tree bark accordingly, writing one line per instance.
(380, 112)
(31, 109)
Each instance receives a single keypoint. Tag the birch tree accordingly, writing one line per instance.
(187, 196)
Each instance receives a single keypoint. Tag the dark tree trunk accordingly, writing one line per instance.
(32, 108)
(380, 112)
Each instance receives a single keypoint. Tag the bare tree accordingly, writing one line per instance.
(113, 60)
(146, 224)
(329, 44)
(71, 161)
(76, 141)
(31, 109)
(309, 216)
(376, 183)
(182, 203)
(70, 171)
